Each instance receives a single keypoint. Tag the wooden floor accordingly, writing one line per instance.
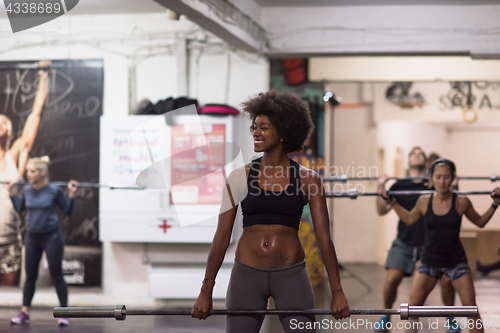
(487, 290)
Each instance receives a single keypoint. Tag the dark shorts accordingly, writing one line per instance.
(403, 257)
(452, 272)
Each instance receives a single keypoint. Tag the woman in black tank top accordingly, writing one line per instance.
(272, 191)
(443, 251)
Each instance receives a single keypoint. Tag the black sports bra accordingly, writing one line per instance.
(273, 207)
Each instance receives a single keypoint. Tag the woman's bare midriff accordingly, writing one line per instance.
(269, 246)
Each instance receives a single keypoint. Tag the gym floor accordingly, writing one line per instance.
(487, 290)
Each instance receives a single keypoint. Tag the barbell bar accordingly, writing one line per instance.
(85, 184)
(354, 194)
(120, 312)
(345, 178)
(32, 65)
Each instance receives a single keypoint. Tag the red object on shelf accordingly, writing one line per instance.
(295, 70)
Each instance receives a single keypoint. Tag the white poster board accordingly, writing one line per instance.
(149, 215)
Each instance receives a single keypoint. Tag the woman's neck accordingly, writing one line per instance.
(443, 196)
(3, 147)
(40, 183)
(274, 159)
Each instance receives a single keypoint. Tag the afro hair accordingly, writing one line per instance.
(287, 112)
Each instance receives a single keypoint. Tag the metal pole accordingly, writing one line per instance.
(344, 178)
(120, 312)
(84, 184)
(33, 65)
(353, 194)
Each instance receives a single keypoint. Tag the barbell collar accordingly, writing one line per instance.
(353, 194)
(404, 311)
(120, 312)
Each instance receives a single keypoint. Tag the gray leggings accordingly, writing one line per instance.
(250, 287)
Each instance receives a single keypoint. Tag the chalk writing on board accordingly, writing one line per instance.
(87, 229)
(68, 133)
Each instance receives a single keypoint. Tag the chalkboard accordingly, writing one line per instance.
(68, 132)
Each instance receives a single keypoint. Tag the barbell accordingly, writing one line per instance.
(32, 65)
(85, 184)
(354, 194)
(120, 312)
(345, 178)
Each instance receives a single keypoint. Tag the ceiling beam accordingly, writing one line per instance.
(223, 19)
(371, 30)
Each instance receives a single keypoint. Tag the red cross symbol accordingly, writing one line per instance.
(164, 226)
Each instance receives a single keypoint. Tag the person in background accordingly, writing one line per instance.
(407, 248)
(40, 199)
(443, 253)
(12, 168)
(432, 157)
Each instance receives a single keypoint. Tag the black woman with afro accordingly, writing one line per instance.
(272, 191)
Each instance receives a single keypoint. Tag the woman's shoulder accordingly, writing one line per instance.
(245, 169)
(53, 188)
(239, 175)
(27, 188)
(308, 175)
(424, 198)
(423, 201)
(463, 199)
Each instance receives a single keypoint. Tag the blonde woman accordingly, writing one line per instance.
(12, 167)
(40, 199)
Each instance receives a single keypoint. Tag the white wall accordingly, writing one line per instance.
(355, 226)
(403, 68)
(474, 149)
(146, 41)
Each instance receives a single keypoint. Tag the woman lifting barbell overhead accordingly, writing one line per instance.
(12, 168)
(272, 190)
(443, 252)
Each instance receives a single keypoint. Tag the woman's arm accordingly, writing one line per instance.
(317, 201)
(67, 204)
(215, 258)
(22, 146)
(382, 207)
(408, 218)
(220, 243)
(482, 220)
(18, 203)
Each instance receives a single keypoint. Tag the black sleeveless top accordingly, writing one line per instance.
(413, 235)
(442, 245)
(273, 207)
